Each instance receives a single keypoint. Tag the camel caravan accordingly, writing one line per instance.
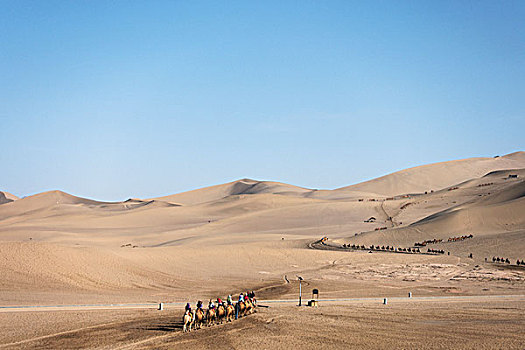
(450, 239)
(218, 312)
(506, 261)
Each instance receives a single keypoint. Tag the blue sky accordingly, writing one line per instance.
(118, 99)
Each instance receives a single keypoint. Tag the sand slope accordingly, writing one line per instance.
(436, 176)
(239, 187)
(492, 208)
(414, 180)
(253, 233)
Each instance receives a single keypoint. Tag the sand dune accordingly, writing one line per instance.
(72, 267)
(6, 197)
(499, 212)
(436, 176)
(239, 187)
(414, 180)
(259, 209)
(53, 200)
(250, 234)
(492, 208)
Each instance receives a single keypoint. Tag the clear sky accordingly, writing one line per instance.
(118, 99)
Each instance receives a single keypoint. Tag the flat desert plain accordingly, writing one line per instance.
(79, 273)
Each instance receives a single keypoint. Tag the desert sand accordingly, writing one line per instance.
(59, 249)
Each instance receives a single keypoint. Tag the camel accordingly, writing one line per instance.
(221, 313)
(210, 317)
(249, 307)
(241, 308)
(230, 313)
(187, 320)
(199, 319)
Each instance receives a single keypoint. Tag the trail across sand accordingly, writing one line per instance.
(333, 301)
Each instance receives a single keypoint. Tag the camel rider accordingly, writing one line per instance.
(241, 297)
(229, 299)
(219, 302)
(211, 306)
(199, 304)
(187, 308)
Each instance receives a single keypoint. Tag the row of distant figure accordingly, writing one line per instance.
(392, 249)
(506, 260)
(439, 240)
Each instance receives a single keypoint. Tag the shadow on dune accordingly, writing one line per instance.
(163, 327)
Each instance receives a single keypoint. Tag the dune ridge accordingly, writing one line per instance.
(238, 187)
(418, 179)
(437, 176)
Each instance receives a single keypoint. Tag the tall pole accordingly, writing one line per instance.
(300, 292)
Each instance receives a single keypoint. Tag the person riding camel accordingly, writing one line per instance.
(187, 308)
(199, 304)
(219, 302)
(229, 299)
(211, 305)
(241, 297)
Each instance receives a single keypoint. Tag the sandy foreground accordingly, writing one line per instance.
(439, 324)
(59, 250)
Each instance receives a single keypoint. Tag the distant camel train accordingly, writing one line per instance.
(507, 261)
(390, 249)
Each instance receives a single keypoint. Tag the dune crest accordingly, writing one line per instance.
(436, 176)
(418, 179)
(239, 187)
